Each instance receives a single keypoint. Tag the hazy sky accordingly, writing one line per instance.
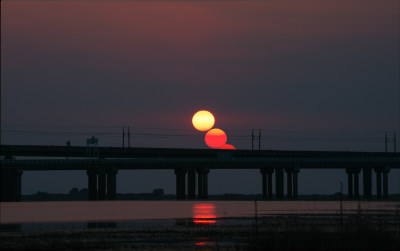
(315, 75)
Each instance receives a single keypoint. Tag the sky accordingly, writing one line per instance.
(312, 75)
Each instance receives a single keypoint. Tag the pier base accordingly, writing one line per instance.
(279, 183)
(10, 189)
(180, 183)
(102, 183)
(203, 183)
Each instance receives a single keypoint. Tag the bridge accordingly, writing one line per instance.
(192, 166)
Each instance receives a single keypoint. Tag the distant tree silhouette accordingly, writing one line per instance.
(158, 192)
(74, 191)
(83, 193)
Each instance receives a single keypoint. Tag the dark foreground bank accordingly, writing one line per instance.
(295, 232)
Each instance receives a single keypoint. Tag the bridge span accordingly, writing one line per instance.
(192, 166)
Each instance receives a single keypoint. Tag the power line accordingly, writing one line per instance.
(190, 130)
(60, 127)
(145, 133)
(91, 127)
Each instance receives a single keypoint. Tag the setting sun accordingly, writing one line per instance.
(228, 146)
(203, 120)
(215, 138)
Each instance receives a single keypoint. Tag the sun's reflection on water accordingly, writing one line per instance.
(201, 243)
(204, 214)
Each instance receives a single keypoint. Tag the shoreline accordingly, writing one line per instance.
(290, 232)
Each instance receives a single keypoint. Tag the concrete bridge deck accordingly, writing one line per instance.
(211, 163)
(140, 152)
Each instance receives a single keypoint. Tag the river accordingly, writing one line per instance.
(120, 211)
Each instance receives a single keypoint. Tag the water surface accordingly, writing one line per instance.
(96, 211)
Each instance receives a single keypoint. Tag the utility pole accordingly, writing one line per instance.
(0, 73)
(394, 141)
(68, 145)
(386, 141)
(259, 138)
(252, 139)
(129, 137)
(341, 206)
(123, 137)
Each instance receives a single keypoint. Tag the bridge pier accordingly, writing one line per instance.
(382, 183)
(266, 174)
(353, 184)
(279, 183)
(289, 176)
(203, 183)
(191, 184)
(112, 183)
(349, 183)
(92, 183)
(296, 171)
(102, 183)
(292, 183)
(10, 179)
(200, 184)
(367, 183)
(264, 183)
(385, 184)
(378, 184)
(356, 173)
(180, 183)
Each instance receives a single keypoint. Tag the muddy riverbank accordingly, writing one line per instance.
(283, 232)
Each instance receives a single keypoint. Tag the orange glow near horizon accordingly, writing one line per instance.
(215, 138)
(204, 221)
(228, 147)
(204, 214)
(203, 120)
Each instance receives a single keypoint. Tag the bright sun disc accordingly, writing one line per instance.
(203, 120)
(215, 138)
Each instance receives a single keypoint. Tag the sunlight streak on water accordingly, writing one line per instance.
(204, 213)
